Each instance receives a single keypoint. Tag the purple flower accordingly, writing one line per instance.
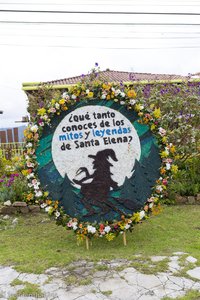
(96, 64)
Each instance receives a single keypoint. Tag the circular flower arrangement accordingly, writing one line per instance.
(125, 96)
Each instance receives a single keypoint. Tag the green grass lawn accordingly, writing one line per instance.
(37, 243)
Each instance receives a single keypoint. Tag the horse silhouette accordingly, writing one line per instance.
(96, 192)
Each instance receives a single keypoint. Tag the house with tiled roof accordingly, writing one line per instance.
(38, 92)
(107, 75)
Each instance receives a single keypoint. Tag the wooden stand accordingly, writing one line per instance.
(87, 243)
(124, 238)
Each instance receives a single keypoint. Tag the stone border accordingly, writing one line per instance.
(19, 207)
(187, 199)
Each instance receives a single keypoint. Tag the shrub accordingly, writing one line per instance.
(187, 180)
(13, 187)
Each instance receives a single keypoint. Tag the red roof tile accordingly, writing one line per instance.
(118, 76)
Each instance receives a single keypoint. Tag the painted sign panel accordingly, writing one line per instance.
(98, 161)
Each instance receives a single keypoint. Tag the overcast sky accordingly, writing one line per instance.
(37, 46)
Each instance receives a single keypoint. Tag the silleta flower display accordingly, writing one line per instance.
(98, 134)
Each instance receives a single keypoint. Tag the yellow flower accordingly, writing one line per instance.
(108, 97)
(29, 136)
(121, 226)
(156, 209)
(174, 169)
(164, 139)
(110, 236)
(41, 111)
(131, 94)
(164, 154)
(138, 107)
(62, 101)
(53, 101)
(106, 86)
(157, 113)
(153, 126)
(90, 94)
(172, 149)
(25, 172)
(162, 171)
(136, 217)
(29, 197)
(48, 202)
(77, 93)
(80, 237)
(152, 106)
(64, 108)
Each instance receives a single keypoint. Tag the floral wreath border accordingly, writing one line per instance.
(126, 96)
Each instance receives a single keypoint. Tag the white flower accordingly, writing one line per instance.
(34, 128)
(151, 205)
(122, 94)
(34, 181)
(161, 131)
(38, 193)
(57, 105)
(159, 188)
(47, 208)
(91, 229)
(36, 186)
(117, 92)
(74, 225)
(132, 101)
(168, 166)
(31, 175)
(167, 151)
(30, 185)
(142, 214)
(103, 96)
(122, 102)
(65, 96)
(73, 96)
(107, 229)
(29, 145)
(57, 214)
(43, 205)
(127, 226)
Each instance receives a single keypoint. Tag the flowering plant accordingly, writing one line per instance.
(126, 96)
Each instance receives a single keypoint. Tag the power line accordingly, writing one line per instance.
(99, 12)
(96, 4)
(102, 37)
(108, 48)
(99, 23)
(10, 27)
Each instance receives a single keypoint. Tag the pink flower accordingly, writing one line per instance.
(52, 110)
(164, 181)
(69, 224)
(161, 131)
